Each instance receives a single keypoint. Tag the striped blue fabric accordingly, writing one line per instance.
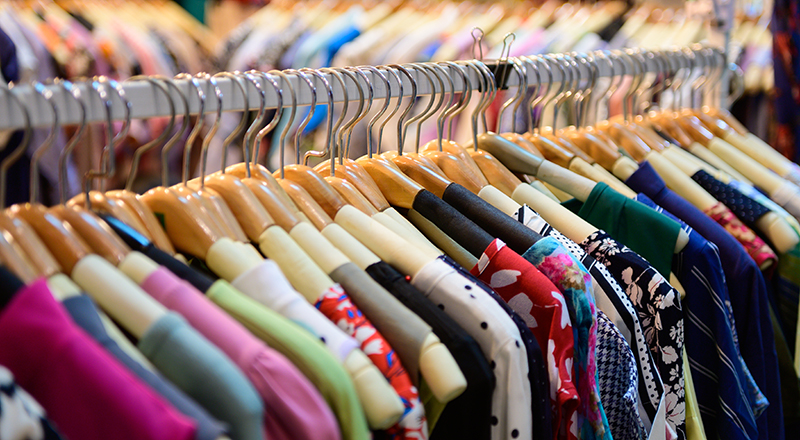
(725, 398)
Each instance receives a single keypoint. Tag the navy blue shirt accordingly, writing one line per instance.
(719, 378)
(747, 290)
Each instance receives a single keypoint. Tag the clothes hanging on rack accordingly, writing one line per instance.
(566, 326)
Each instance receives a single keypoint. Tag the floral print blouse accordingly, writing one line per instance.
(534, 297)
(336, 305)
(755, 246)
(575, 283)
(659, 308)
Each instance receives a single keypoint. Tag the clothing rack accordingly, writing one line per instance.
(147, 101)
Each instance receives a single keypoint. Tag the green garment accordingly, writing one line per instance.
(195, 7)
(790, 384)
(647, 232)
(307, 353)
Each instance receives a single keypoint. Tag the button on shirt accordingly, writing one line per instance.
(618, 307)
(537, 368)
(484, 320)
(575, 283)
(659, 309)
(545, 312)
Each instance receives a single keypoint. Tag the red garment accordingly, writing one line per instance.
(540, 304)
(84, 390)
(336, 305)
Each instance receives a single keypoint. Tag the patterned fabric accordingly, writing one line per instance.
(724, 396)
(787, 281)
(755, 246)
(659, 308)
(480, 316)
(745, 208)
(537, 369)
(21, 416)
(336, 305)
(608, 291)
(544, 309)
(617, 377)
(747, 290)
(700, 269)
(575, 283)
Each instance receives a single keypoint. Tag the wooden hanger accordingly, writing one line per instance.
(213, 203)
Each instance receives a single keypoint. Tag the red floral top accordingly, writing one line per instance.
(540, 304)
(336, 305)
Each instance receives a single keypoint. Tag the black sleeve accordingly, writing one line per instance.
(139, 242)
(9, 286)
(461, 229)
(517, 236)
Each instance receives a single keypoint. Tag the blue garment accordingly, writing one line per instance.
(746, 209)
(617, 378)
(747, 290)
(720, 383)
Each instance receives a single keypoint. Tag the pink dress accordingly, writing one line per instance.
(294, 408)
(84, 390)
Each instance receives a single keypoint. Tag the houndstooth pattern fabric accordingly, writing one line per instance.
(617, 377)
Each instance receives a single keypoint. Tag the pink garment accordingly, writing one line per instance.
(84, 390)
(752, 243)
(294, 408)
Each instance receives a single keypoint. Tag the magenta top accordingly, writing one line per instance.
(294, 408)
(84, 390)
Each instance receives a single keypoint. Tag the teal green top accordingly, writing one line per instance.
(305, 351)
(644, 230)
